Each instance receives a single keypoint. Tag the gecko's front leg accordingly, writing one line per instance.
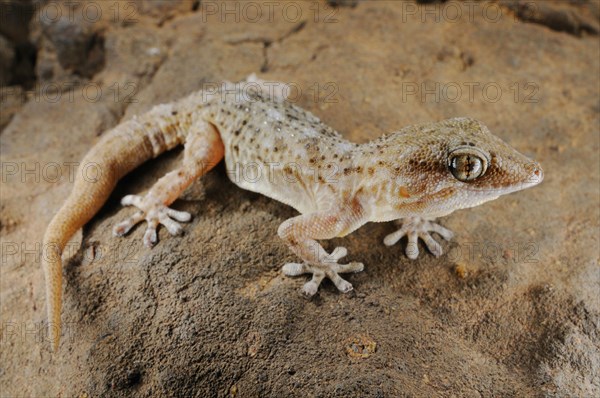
(203, 150)
(300, 234)
(415, 228)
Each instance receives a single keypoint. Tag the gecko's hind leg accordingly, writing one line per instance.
(301, 232)
(203, 150)
(415, 228)
(155, 213)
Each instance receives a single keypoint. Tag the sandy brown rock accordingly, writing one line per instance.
(7, 58)
(574, 17)
(511, 309)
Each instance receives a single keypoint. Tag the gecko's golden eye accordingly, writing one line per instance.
(467, 163)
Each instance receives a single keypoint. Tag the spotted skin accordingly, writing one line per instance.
(277, 149)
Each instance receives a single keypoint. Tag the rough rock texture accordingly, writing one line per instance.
(7, 58)
(511, 309)
(17, 54)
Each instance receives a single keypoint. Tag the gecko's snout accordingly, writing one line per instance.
(536, 173)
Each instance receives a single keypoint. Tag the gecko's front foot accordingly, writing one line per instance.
(154, 213)
(328, 268)
(414, 228)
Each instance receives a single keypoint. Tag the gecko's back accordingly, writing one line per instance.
(280, 150)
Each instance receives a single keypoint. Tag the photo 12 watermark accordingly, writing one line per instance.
(453, 92)
(455, 11)
(38, 332)
(246, 91)
(71, 92)
(14, 252)
(267, 11)
(523, 252)
(90, 12)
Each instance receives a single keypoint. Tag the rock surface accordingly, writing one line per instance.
(511, 309)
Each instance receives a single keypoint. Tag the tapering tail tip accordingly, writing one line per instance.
(54, 336)
(52, 265)
(54, 328)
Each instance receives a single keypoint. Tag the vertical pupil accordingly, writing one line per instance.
(469, 167)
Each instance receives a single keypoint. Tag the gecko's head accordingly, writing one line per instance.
(458, 163)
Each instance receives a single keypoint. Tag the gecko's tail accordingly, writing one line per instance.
(73, 215)
(117, 153)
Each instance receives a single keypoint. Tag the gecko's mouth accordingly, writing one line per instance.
(523, 176)
(533, 178)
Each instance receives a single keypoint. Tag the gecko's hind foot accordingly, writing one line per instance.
(414, 228)
(154, 213)
(328, 268)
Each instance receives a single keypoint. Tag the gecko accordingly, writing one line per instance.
(412, 176)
